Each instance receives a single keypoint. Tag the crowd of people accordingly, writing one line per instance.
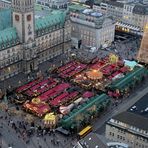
(25, 130)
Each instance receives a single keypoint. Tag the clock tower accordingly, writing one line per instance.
(24, 22)
(23, 19)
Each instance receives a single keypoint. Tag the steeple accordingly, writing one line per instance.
(143, 51)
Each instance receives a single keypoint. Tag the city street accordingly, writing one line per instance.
(99, 125)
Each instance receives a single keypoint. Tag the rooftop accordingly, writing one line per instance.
(141, 9)
(8, 37)
(5, 18)
(7, 1)
(52, 19)
(84, 11)
(136, 115)
(44, 19)
(92, 140)
(77, 7)
(115, 3)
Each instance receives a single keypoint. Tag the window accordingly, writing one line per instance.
(29, 17)
(17, 17)
(8, 51)
(13, 49)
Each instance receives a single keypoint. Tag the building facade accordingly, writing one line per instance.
(132, 13)
(31, 41)
(91, 28)
(112, 8)
(135, 14)
(145, 1)
(56, 4)
(128, 128)
(5, 4)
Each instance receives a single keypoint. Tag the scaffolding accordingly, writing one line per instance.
(143, 51)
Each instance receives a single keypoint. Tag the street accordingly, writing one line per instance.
(99, 125)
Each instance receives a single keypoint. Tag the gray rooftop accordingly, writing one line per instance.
(92, 140)
(136, 115)
(132, 119)
(114, 3)
(141, 9)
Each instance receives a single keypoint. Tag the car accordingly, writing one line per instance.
(133, 108)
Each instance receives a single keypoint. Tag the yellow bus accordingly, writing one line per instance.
(84, 132)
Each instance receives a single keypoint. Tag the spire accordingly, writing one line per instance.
(143, 51)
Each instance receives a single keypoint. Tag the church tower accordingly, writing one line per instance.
(23, 19)
(143, 51)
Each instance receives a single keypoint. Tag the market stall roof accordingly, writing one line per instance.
(130, 64)
(37, 108)
(120, 84)
(88, 94)
(59, 99)
(62, 86)
(94, 74)
(50, 117)
(95, 100)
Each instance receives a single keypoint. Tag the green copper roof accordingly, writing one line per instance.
(5, 18)
(38, 8)
(129, 78)
(77, 7)
(83, 110)
(55, 18)
(8, 38)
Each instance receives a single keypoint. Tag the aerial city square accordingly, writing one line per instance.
(73, 73)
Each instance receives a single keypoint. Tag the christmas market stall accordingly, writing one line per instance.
(123, 85)
(81, 116)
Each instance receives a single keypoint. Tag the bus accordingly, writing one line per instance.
(84, 132)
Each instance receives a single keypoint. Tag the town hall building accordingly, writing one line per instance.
(32, 38)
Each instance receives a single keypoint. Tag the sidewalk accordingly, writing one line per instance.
(21, 78)
(13, 81)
